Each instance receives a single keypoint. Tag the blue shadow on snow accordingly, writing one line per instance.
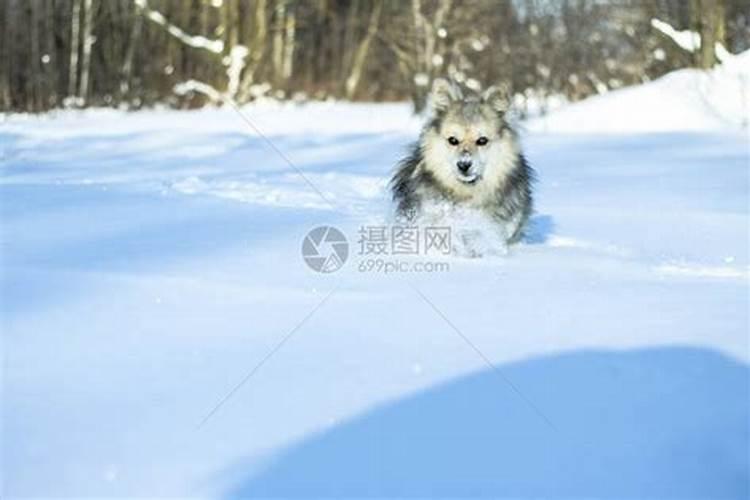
(663, 422)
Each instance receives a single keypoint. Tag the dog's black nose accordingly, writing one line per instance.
(464, 165)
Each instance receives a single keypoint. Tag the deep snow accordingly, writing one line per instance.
(150, 261)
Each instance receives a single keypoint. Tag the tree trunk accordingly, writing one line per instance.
(35, 81)
(360, 57)
(289, 44)
(350, 38)
(7, 79)
(709, 23)
(231, 24)
(88, 42)
(277, 50)
(127, 66)
(75, 36)
(50, 63)
(256, 49)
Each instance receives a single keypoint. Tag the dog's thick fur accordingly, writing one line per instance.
(467, 128)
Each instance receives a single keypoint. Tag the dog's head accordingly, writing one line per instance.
(468, 142)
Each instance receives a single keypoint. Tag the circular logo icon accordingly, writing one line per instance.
(325, 249)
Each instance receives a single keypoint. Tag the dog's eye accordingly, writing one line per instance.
(453, 141)
(482, 141)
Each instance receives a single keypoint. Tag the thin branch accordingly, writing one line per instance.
(196, 41)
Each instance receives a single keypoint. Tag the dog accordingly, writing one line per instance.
(467, 160)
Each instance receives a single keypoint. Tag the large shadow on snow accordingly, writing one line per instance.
(668, 422)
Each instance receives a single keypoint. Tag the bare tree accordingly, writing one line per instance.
(75, 37)
(88, 42)
(256, 49)
(708, 21)
(127, 66)
(289, 45)
(360, 57)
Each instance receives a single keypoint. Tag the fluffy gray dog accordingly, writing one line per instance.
(467, 157)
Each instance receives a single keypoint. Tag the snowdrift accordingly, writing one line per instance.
(684, 100)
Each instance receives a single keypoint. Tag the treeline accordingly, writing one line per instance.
(186, 53)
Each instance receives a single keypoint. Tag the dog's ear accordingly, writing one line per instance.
(498, 97)
(443, 94)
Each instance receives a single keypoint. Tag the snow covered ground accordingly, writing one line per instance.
(162, 335)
